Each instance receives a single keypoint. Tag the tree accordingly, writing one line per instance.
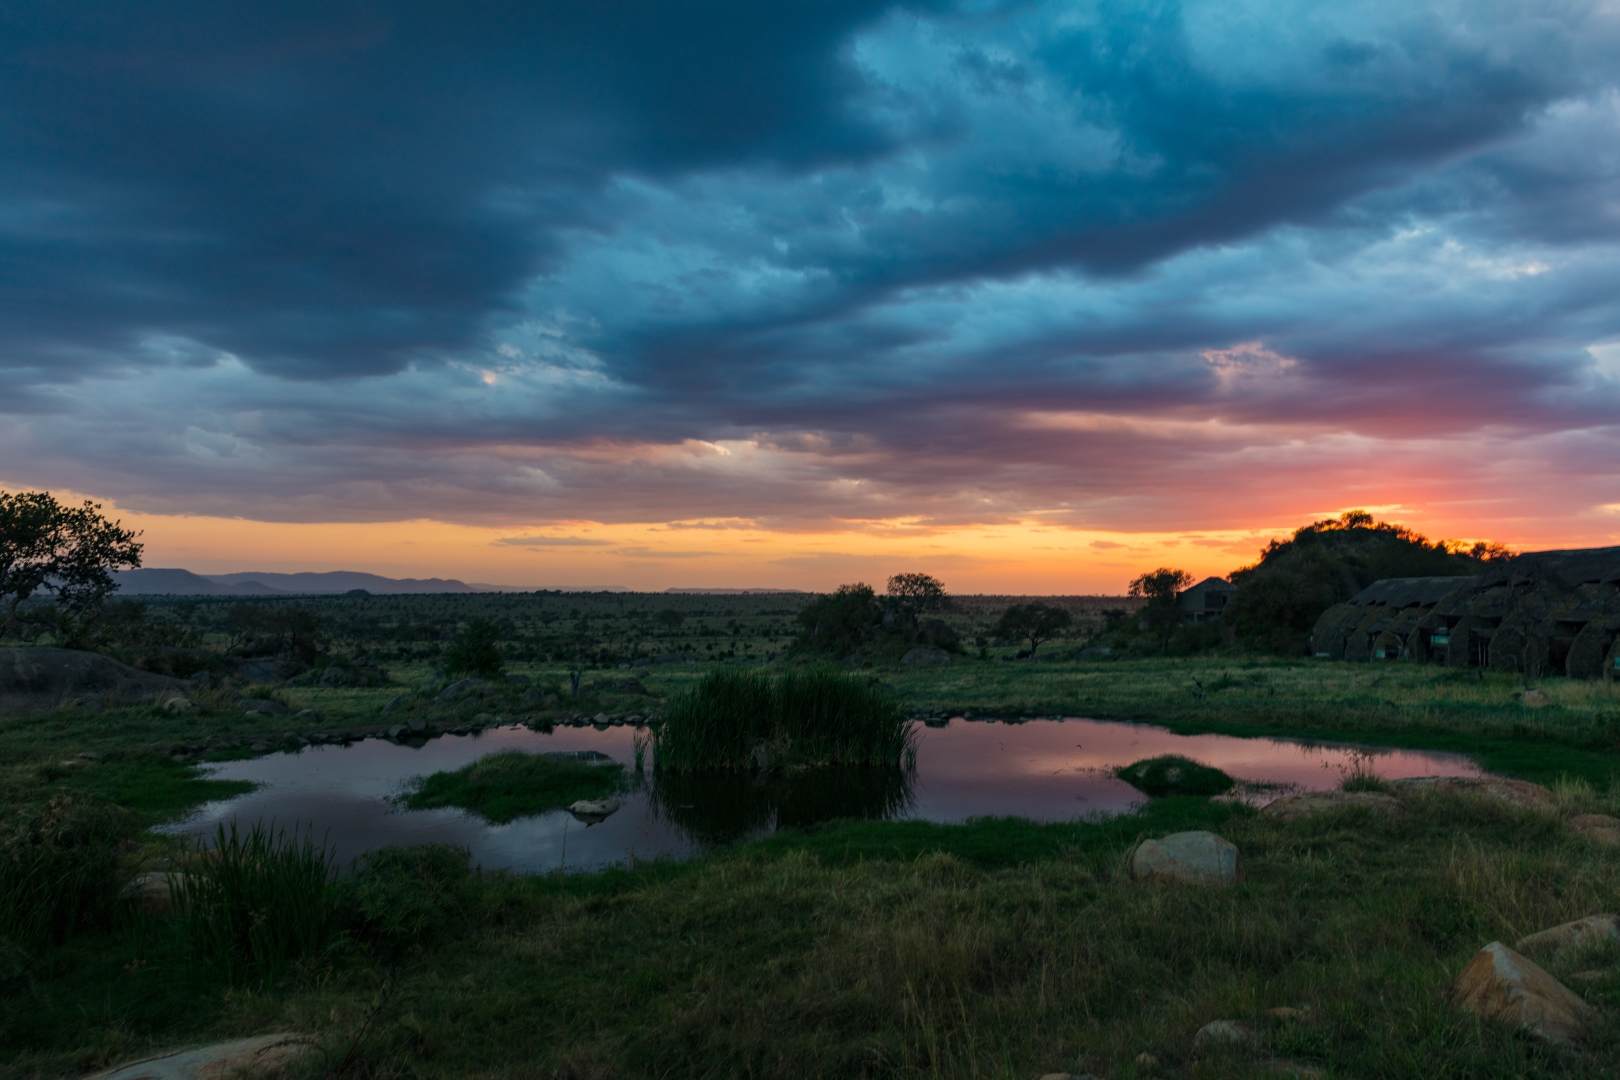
(670, 619)
(911, 595)
(474, 651)
(1160, 586)
(1037, 622)
(839, 621)
(68, 551)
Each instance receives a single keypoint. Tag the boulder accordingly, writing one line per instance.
(40, 679)
(1578, 936)
(179, 705)
(261, 1055)
(921, 656)
(266, 670)
(1290, 807)
(1218, 1034)
(398, 731)
(265, 706)
(417, 725)
(1500, 984)
(1600, 828)
(396, 701)
(1519, 793)
(592, 811)
(461, 688)
(1197, 858)
(333, 676)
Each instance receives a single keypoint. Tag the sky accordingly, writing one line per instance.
(1033, 296)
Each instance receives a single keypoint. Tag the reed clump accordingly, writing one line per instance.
(741, 719)
(257, 900)
(58, 868)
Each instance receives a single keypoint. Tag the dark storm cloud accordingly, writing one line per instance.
(950, 261)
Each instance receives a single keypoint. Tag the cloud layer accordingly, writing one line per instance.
(1109, 266)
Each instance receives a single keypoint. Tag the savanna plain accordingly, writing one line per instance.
(995, 948)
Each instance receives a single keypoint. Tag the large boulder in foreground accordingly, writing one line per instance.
(260, 1056)
(1520, 793)
(1290, 807)
(39, 679)
(1197, 858)
(1500, 984)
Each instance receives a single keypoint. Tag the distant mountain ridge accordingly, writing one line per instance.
(177, 582)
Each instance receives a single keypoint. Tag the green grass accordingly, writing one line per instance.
(1171, 774)
(739, 718)
(512, 784)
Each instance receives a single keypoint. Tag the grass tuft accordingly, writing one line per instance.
(740, 719)
(1171, 774)
(257, 900)
(58, 868)
(512, 784)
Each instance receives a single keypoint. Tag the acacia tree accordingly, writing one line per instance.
(1037, 622)
(1161, 587)
(911, 595)
(67, 551)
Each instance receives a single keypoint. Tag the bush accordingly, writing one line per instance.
(474, 651)
(404, 895)
(58, 869)
(1172, 774)
(258, 900)
(739, 719)
(838, 622)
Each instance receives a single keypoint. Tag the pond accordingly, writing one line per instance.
(1044, 770)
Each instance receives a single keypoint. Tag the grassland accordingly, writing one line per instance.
(1000, 948)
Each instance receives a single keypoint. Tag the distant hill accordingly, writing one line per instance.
(176, 582)
(731, 592)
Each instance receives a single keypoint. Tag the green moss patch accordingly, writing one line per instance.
(1172, 774)
(512, 784)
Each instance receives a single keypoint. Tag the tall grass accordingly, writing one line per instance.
(257, 900)
(741, 719)
(58, 868)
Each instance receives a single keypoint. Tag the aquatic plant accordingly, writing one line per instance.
(1172, 774)
(719, 807)
(257, 900)
(58, 868)
(512, 784)
(740, 719)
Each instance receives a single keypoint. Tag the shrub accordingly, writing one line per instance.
(58, 869)
(474, 651)
(1172, 774)
(257, 900)
(403, 895)
(718, 723)
(839, 621)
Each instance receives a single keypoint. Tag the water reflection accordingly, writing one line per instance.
(1044, 770)
(719, 807)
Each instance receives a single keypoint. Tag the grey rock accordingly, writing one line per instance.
(1197, 858)
(38, 679)
(265, 706)
(417, 725)
(333, 676)
(260, 748)
(461, 688)
(925, 656)
(1592, 932)
(309, 714)
(398, 731)
(1222, 1033)
(261, 1055)
(179, 705)
(396, 701)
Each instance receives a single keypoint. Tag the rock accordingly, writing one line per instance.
(1500, 984)
(261, 1055)
(150, 890)
(417, 725)
(461, 688)
(1290, 807)
(925, 655)
(1146, 1061)
(398, 731)
(1577, 936)
(594, 810)
(1519, 793)
(600, 718)
(179, 705)
(36, 679)
(1600, 828)
(1535, 699)
(264, 705)
(1218, 1034)
(396, 701)
(1199, 858)
(260, 748)
(333, 676)
(309, 714)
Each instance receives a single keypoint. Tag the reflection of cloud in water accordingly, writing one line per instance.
(1042, 770)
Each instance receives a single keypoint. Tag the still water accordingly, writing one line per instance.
(1044, 770)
